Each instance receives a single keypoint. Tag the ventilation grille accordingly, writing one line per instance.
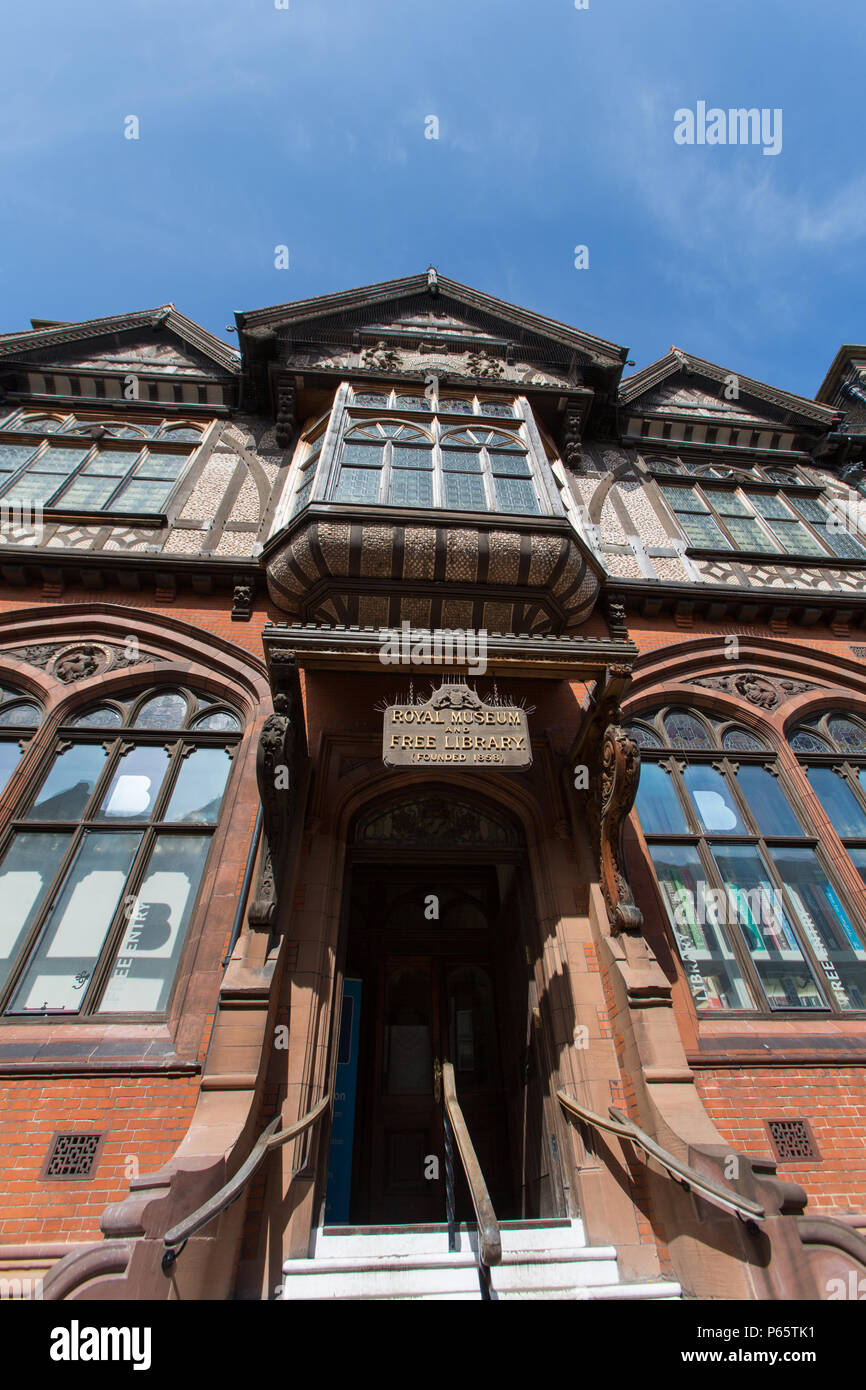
(792, 1140)
(72, 1156)
(859, 651)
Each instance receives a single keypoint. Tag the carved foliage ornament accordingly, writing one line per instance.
(764, 692)
(277, 777)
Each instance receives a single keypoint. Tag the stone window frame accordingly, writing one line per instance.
(58, 725)
(647, 720)
(345, 412)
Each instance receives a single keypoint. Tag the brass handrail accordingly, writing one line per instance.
(625, 1128)
(489, 1238)
(267, 1141)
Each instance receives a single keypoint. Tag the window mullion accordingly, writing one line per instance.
(119, 922)
(731, 931)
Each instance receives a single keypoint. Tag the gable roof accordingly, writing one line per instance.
(597, 350)
(14, 346)
(676, 362)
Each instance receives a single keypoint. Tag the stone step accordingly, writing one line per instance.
(357, 1241)
(393, 1277)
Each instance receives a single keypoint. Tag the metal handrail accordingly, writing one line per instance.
(176, 1238)
(489, 1237)
(625, 1128)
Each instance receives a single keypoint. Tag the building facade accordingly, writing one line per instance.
(403, 688)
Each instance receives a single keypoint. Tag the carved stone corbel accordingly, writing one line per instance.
(280, 759)
(620, 773)
(612, 762)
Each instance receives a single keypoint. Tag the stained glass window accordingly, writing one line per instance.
(131, 797)
(743, 740)
(684, 731)
(848, 736)
(805, 741)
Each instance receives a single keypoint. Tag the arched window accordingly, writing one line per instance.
(20, 717)
(101, 864)
(831, 749)
(756, 917)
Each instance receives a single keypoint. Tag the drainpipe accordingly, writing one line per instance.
(245, 888)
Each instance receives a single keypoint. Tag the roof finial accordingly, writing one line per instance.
(432, 281)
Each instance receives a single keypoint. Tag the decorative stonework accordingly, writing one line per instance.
(484, 365)
(620, 773)
(70, 662)
(764, 692)
(382, 358)
(242, 603)
(610, 760)
(277, 765)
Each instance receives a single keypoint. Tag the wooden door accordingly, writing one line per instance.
(431, 1008)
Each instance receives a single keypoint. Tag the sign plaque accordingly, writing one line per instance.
(454, 728)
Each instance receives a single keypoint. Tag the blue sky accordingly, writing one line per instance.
(305, 127)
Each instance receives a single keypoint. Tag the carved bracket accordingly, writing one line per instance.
(287, 397)
(277, 773)
(571, 439)
(612, 762)
(620, 773)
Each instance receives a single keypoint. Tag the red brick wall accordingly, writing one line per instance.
(831, 1099)
(144, 1119)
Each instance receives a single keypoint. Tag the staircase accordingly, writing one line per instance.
(540, 1259)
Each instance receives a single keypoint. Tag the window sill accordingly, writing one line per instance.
(85, 518)
(765, 557)
(55, 1057)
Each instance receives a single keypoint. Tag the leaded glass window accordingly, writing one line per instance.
(101, 864)
(758, 920)
(753, 520)
(441, 461)
(93, 465)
